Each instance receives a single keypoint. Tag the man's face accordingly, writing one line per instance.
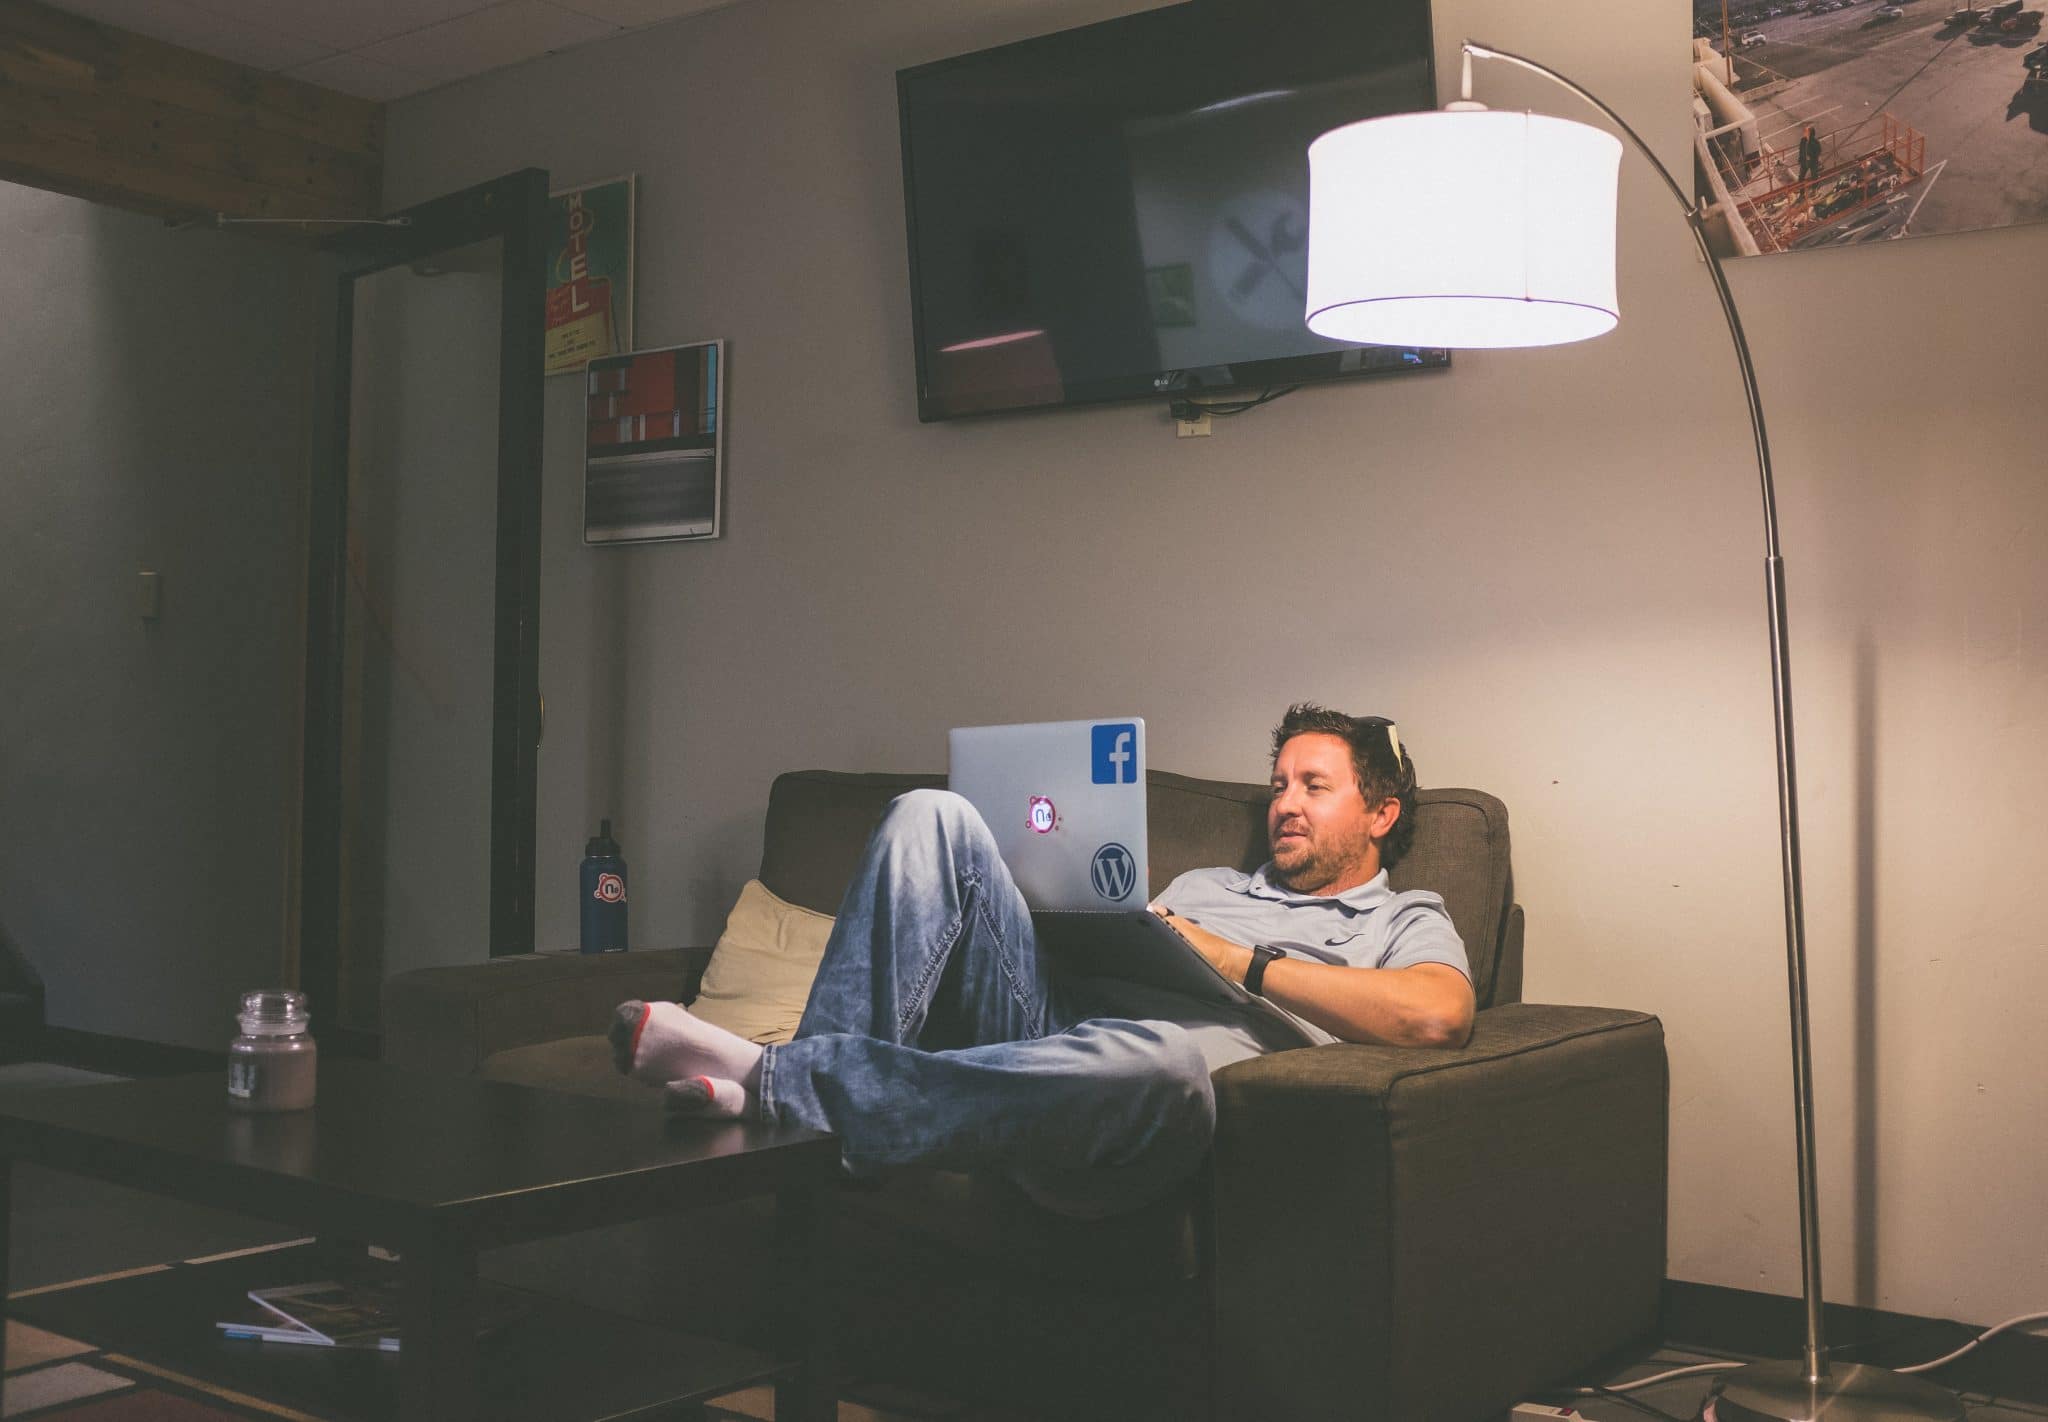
(1318, 825)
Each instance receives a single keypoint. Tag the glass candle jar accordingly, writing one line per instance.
(271, 1066)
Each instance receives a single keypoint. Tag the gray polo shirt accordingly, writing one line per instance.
(1369, 927)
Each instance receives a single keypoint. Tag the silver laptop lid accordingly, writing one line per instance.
(1066, 803)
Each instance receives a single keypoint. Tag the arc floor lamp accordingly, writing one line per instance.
(1506, 238)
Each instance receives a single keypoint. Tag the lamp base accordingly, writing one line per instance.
(1851, 1392)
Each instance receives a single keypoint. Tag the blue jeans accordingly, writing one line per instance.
(936, 1035)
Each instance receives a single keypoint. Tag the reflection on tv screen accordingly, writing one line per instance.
(1122, 210)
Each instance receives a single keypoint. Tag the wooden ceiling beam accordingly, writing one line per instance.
(100, 113)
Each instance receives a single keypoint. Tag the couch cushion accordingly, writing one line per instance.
(21, 1004)
(818, 824)
(759, 976)
(1199, 824)
(21, 1026)
(452, 1018)
(1461, 852)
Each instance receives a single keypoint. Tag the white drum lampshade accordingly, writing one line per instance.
(1462, 227)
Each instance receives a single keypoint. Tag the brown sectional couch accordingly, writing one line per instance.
(1385, 1233)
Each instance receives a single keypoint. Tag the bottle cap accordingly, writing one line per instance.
(602, 844)
(273, 1012)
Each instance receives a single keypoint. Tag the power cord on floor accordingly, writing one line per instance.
(1650, 1381)
(1655, 1378)
(1974, 1342)
(1637, 1403)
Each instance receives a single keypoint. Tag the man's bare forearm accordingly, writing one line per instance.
(1429, 1005)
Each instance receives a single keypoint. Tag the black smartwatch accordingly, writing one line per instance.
(1255, 975)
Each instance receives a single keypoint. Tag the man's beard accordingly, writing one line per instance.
(1314, 866)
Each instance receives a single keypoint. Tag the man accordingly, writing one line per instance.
(935, 1033)
(1809, 155)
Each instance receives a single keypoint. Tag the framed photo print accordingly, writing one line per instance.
(590, 274)
(654, 444)
(1831, 123)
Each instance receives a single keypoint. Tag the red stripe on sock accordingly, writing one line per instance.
(633, 1050)
(710, 1091)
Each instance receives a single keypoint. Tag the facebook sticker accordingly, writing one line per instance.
(1115, 759)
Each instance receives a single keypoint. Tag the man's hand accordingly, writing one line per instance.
(1428, 1005)
(1230, 959)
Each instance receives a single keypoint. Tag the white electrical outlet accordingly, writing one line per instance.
(1193, 429)
(149, 594)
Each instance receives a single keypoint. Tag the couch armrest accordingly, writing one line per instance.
(1507, 969)
(1417, 1233)
(450, 1019)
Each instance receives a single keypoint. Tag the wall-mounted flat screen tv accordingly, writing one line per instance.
(1121, 210)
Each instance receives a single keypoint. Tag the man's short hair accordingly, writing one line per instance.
(1383, 771)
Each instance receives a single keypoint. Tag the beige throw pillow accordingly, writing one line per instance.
(759, 976)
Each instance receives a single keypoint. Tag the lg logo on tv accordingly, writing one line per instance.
(1115, 761)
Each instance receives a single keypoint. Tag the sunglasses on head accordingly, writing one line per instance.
(1393, 735)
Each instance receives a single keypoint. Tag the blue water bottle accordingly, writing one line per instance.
(603, 894)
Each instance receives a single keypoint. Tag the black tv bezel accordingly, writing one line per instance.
(1156, 385)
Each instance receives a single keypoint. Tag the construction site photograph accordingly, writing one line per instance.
(1831, 121)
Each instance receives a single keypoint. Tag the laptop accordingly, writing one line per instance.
(1065, 801)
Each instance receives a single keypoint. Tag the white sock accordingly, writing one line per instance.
(661, 1042)
(706, 1096)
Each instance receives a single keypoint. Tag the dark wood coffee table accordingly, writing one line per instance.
(437, 1168)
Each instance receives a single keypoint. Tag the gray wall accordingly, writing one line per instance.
(154, 409)
(1546, 564)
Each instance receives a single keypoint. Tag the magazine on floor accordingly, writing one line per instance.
(362, 1314)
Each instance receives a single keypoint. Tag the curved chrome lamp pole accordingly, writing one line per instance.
(1811, 1387)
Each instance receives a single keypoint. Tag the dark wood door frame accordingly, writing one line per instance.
(513, 209)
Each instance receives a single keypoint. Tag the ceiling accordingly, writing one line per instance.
(381, 49)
